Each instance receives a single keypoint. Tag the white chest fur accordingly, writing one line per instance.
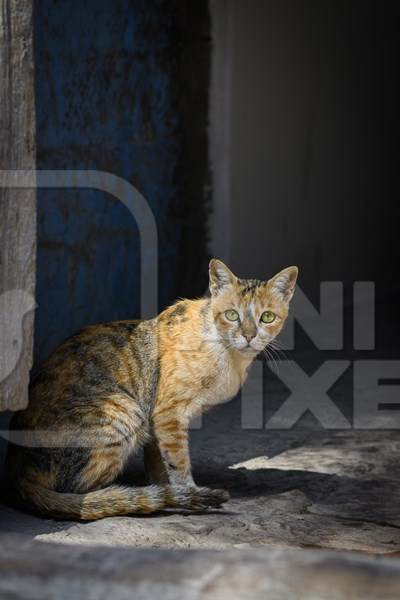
(226, 376)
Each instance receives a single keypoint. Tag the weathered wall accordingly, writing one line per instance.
(17, 207)
(122, 87)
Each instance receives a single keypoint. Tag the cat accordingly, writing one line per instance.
(116, 387)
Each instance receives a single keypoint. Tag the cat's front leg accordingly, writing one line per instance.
(173, 440)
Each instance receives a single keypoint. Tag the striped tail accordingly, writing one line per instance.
(117, 500)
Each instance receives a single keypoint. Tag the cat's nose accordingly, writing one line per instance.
(248, 337)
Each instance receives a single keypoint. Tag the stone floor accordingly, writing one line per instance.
(37, 571)
(303, 488)
(313, 513)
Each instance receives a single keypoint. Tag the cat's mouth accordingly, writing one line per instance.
(247, 349)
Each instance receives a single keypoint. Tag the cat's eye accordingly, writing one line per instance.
(232, 315)
(268, 317)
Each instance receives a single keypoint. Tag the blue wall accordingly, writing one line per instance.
(121, 86)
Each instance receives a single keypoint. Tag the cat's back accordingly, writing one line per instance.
(101, 360)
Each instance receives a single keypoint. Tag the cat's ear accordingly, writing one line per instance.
(284, 282)
(220, 276)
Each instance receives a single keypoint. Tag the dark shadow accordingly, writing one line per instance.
(245, 483)
(15, 521)
(374, 500)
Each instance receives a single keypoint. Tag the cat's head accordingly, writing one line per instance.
(249, 313)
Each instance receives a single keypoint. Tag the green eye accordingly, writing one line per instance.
(232, 315)
(268, 317)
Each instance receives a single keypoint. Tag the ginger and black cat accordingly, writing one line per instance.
(113, 388)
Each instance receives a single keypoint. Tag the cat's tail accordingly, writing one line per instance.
(117, 500)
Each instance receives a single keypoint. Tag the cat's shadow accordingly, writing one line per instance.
(246, 483)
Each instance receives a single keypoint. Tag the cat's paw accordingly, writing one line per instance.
(204, 498)
(195, 498)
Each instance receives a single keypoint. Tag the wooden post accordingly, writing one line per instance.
(17, 207)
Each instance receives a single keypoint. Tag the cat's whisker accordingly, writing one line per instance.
(279, 343)
(272, 364)
(271, 361)
(279, 350)
(276, 350)
(274, 353)
(280, 354)
(288, 361)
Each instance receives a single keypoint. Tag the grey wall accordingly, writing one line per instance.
(312, 140)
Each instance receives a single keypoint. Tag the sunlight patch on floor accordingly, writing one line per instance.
(317, 460)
